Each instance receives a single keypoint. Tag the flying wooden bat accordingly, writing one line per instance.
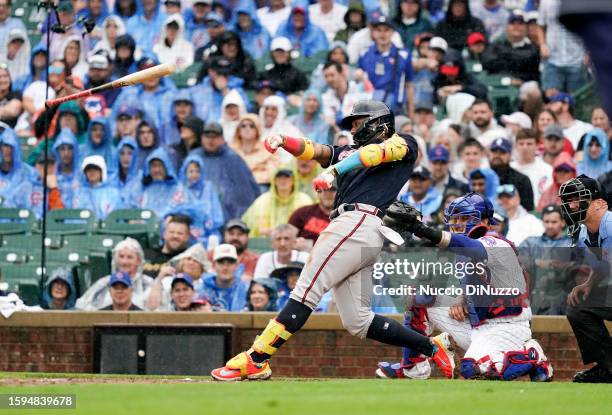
(156, 71)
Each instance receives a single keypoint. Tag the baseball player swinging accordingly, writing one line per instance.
(494, 329)
(369, 176)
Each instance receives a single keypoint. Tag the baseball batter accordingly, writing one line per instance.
(368, 176)
(497, 338)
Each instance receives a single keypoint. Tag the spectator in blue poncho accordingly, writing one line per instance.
(595, 152)
(195, 23)
(254, 37)
(127, 166)
(227, 171)
(306, 37)
(182, 107)
(204, 197)
(95, 192)
(158, 189)
(153, 96)
(13, 171)
(100, 142)
(66, 151)
(310, 118)
(146, 25)
(148, 140)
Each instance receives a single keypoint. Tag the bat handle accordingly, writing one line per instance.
(57, 101)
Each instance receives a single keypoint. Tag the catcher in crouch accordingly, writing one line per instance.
(368, 176)
(494, 329)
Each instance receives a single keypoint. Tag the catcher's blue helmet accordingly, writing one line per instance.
(476, 207)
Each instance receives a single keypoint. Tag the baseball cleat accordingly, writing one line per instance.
(443, 357)
(242, 367)
(420, 370)
(543, 370)
(388, 370)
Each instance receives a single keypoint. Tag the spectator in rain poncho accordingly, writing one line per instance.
(310, 118)
(66, 152)
(146, 25)
(248, 143)
(126, 56)
(126, 9)
(148, 140)
(128, 257)
(306, 37)
(172, 46)
(13, 171)
(96, 10)
(158, 189)
(595, 150)
(127, 164)
(227, 171)
(59, 292)
(253, 36)
(204, 198)
(191, 132)
(74, 54)
(100, 142)
(273, 117)
(233, 109)
(95, 192)
(274, 207)
(209, 93)
(241, 64)
(112, 28)
(182, 108)
(37, 70)
(17, 53)
(153, 96)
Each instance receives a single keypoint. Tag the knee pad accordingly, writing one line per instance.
(359, 323)
(469, 368)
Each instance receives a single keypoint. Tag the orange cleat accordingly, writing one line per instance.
(242, 367)
(444, 358)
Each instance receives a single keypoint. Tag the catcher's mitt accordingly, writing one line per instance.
(400, 216)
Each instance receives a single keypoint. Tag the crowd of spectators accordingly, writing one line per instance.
(195, 155)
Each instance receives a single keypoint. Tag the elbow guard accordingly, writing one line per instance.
(393, 149)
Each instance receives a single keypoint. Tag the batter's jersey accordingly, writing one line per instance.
(377, 186)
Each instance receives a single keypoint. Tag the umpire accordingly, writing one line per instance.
(585, 209)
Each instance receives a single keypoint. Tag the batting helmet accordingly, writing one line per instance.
(476, 208)
(380, 120)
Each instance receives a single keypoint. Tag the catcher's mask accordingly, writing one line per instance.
(466, 214)
(576, 196)
(380, 121)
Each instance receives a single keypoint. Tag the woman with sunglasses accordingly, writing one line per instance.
(248, 144)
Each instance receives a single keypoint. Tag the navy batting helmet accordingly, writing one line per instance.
(380, 120)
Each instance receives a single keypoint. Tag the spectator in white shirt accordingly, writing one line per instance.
(273, 15)
(532, 166)
(283, 240)
(329, 16)
(521, 224)
(562, 104)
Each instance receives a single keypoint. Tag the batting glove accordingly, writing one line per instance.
(325, 180)
(274, 142)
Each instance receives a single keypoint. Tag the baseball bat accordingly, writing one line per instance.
(156, 71)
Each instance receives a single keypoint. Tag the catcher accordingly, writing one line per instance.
(494, 329)
(368, 176)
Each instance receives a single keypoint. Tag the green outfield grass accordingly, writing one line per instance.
(173, 396)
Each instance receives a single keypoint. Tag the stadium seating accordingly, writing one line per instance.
(71, 222)
(142, 225)
(17, 221)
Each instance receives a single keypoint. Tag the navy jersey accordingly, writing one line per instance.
(377, 186)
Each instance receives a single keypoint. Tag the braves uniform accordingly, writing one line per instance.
(344, 253)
